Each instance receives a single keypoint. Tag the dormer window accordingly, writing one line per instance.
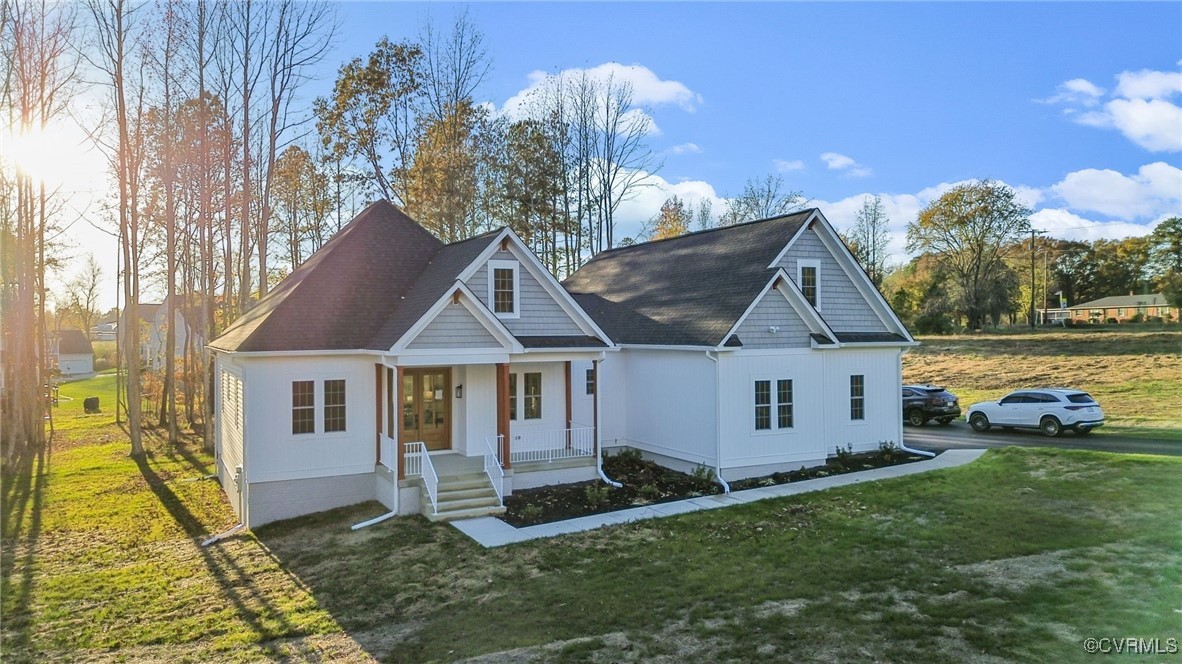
(809, 278)
(504, 288)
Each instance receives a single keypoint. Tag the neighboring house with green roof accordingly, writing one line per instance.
(1124, 309)
(438, 378)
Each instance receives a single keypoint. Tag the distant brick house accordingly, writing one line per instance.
(1124, 309)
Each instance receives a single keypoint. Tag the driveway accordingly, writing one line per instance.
(958, 435)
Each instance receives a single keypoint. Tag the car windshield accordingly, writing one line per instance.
(1080, 397)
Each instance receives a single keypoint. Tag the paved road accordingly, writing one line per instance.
(958, 435)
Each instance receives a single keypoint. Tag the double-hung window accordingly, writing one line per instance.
(334, 405)
(504, 288)
(857, 397)
(778, 402)
(590, 382)
(809, 278)
(303, 406)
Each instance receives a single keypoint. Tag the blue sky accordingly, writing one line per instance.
(849, 99)
(1076, 105)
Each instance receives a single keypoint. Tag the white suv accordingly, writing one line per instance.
(1050, 410)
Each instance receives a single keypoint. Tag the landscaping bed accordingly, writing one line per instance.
(647, 483)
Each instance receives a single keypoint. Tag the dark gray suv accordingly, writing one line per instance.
(928, 402)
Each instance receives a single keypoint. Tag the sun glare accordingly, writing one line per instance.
(57, 156)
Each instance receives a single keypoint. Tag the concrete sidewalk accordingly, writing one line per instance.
(491, 531)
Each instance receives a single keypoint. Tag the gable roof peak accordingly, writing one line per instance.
(717, 229)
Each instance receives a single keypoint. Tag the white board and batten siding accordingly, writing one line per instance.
(839, 301)
(882, 377)
(293, 474)
(675, 413)
(539, 315)
(745, 446)
(230, 431)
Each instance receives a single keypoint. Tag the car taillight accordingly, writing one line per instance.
(1077, 407)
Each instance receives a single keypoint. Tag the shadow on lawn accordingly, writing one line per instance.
(255, 608)
(23, 497)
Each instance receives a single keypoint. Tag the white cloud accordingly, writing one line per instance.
(1140, 107)
(1148, 84)
(646, 202)
(685, 148)
(1066, 225)
(648, 89)
(785, 166)
(1155, 190)
(1076, 91)
(840, 162)
(1155, 125)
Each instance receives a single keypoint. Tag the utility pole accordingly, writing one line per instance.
(1032, 234)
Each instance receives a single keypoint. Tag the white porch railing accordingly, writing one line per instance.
(572, 443)
(492, 467)
(418, 462)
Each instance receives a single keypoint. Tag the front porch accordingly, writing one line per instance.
(462, 437)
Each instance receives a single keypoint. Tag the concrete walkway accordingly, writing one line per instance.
(491, 531)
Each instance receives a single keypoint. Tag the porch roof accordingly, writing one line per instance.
(561, 342)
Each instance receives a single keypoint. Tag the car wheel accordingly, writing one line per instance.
(944, 420)
(1050, 427)
(979, 422)
(915, 417)
(1083, 431)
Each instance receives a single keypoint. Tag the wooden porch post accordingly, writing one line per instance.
(503, 412)
(377, 411)
(398, 451)
(568, 420)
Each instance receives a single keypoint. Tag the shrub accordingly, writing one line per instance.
(628, 454)
(842, 458)
(531, 512)
(703, 475)
(597, 495)
(889, 450)
(649, 492)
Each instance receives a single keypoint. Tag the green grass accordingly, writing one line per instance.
(1016, 557)
(1136, 375)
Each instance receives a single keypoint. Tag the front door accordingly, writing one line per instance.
(426, 411)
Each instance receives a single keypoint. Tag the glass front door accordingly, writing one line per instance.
(426, 411)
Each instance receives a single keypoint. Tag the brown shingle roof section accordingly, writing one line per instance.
(343, 295)
(688, 290)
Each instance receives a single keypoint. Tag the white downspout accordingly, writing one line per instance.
(599, 425)
(899, 409)
(726, 488)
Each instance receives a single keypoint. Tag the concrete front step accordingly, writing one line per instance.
(448, 484)
(462, 496)
(447, 494)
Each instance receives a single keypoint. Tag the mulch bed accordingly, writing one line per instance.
(647, 483)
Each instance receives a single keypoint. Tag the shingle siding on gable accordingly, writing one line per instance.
(773, 310)
(454, 327)
(540, 314)
(840, 303)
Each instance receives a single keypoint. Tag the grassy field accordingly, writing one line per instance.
(1016, 557)
(1136, 376)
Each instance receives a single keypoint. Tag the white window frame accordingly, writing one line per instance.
(344, 405)
(517, 396)
(292, 408)
(850, 393)
(775, 428)
(493, 266)
(318, 380)
(815, 264)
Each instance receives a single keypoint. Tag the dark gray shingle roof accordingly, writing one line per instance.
(1150, 300)
(688, 290)
(342, 297)
(73, 342)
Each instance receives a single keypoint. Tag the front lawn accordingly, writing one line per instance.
(1016, 557)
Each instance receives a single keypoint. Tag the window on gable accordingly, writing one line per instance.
(303, 406)
(857, 397)
(334, 405)
(808, 277)
(504, 288)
